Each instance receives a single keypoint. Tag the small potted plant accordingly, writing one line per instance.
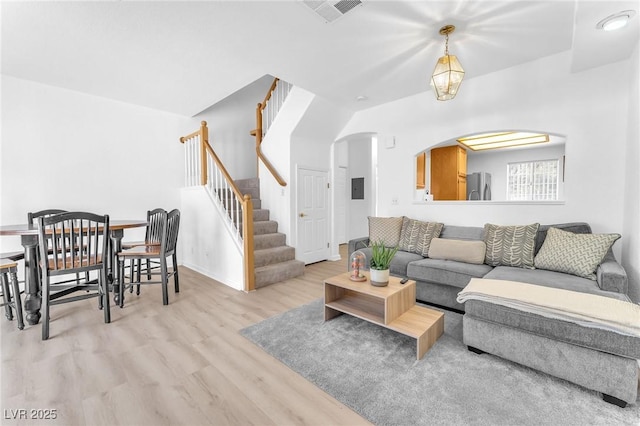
(380, 261)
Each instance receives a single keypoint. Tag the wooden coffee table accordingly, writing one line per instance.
(393, 307)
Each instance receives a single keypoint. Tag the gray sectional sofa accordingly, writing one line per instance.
(596, 359)
(438, 281)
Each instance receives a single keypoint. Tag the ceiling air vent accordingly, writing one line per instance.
(331, 10)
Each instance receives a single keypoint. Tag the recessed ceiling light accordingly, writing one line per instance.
(361, 98)
(616, 21)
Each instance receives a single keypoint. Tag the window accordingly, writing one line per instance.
(533, 181)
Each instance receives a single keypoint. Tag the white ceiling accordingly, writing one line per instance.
(185, 56)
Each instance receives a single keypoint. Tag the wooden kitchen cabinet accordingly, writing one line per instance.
(421, 161)
(449, 173)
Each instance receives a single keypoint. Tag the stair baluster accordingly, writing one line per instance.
(203, 167)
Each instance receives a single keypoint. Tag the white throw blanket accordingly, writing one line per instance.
(588, 310)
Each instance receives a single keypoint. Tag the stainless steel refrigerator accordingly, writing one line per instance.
(479, 186)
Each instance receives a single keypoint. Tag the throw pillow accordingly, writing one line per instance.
(510, 245)
(459, 250)
(409, 234)
(575, 254)
(385, 229)
(428, 232)
(416, 234)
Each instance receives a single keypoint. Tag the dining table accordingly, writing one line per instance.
(28, 233)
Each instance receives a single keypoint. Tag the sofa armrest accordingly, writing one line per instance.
(357, 244)
(611, 276)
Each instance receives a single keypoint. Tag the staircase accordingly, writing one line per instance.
(273, 260)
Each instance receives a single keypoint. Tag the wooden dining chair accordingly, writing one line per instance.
(153, 231)
(153, 236)
(168, 226)
(73, 243)
(11, 299)
(32, 217)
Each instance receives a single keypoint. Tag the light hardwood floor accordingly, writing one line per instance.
(181, 364)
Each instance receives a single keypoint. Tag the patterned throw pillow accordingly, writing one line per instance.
(429, 231)
(510, 245)
(385, 229)
(416, 236)
(575, 254)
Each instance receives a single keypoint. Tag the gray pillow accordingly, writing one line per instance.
(416, 235)
(575, 254)
(459, 250)
(385, 229)
(510, 245)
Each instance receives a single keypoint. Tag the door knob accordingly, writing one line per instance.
(302, 215)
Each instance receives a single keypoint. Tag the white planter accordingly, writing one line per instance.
(379, 278)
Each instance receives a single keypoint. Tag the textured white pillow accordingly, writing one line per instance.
(385, 229)
(575, 254)
(459, 250)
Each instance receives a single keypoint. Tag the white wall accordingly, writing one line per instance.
(65, 149)
(300, 136)
(311, 147)
(595, 115)
(276, 147)
(207, 245)
(495, 162)
(360, 166)
(631, 226)
(540, 95)
(230, 122)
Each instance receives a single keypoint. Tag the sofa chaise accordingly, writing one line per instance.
(443, 259)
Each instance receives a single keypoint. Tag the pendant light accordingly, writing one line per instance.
(448, 73)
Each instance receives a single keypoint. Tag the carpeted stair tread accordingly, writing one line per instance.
(273, 255)
(265, 227)
(282, 271)
(265, 241)
(273, 260)
(260, 214)
(247, 183)
(229, 201)
(249, 186)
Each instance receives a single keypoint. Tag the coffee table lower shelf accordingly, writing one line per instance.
(423, 324)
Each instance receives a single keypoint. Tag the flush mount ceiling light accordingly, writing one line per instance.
(615, 21)
(448, 73)
(502, 140)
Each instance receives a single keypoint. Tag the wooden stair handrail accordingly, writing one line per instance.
(258, 134)
(244, 199)
(226, 175)
(203, 132)
(270, 92)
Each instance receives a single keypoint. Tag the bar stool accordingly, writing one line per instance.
(9, 275)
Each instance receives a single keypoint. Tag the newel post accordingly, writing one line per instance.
(247, 240)
(258, 135)
(204, 138)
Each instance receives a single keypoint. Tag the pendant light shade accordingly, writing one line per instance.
(448, 73)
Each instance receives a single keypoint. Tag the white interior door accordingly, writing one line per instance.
(313, 214)
(341, 205)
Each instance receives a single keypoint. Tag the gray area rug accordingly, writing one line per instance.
(374, 371)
